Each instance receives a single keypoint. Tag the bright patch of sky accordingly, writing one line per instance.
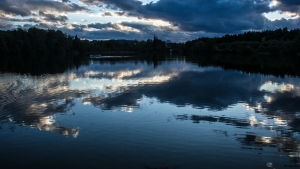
(98, 17)
(148, 1)
(277, 15)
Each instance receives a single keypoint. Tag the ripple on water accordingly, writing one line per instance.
(180, 117)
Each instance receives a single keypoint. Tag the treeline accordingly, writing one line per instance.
(140, 48)
(275, 42)
(39, 51)
(269, 42)
(271, 51)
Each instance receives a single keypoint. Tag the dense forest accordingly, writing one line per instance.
(51, 51)
(39, 51)
(279, 42)
(140, 48)
(270, 52)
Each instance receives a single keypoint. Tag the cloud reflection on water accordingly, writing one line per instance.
(33, 101)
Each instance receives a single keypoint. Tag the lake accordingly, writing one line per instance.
(131, 114)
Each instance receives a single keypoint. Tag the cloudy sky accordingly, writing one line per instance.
(175, 20)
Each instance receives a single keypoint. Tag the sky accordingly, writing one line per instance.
(175, 20)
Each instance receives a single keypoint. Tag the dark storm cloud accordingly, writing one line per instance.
(10, 7)
(104, 25)
(114, 34)
(146, 31)
(289, 5)
(139, 25)
(27, 26)
(46, 26)
(149, 28)
(7, 19)
(25, 7)
(122, 4)
(5, 25)
(53, 18)
(209, 16)
(78, 28)
(289, 23)
(101, 33)
(55, 5)
(107, 14)
(199, 15)
(6, 22)
(114, 30)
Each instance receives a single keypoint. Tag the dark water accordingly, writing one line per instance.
(130, 115)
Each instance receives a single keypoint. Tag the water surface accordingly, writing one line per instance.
(132, 115)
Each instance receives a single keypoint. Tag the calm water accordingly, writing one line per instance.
(132, 115)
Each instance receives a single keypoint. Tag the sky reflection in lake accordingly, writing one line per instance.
(130, 115)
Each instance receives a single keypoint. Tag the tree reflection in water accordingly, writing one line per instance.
(35, 101)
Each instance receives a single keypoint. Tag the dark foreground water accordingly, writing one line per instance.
(130, 115)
